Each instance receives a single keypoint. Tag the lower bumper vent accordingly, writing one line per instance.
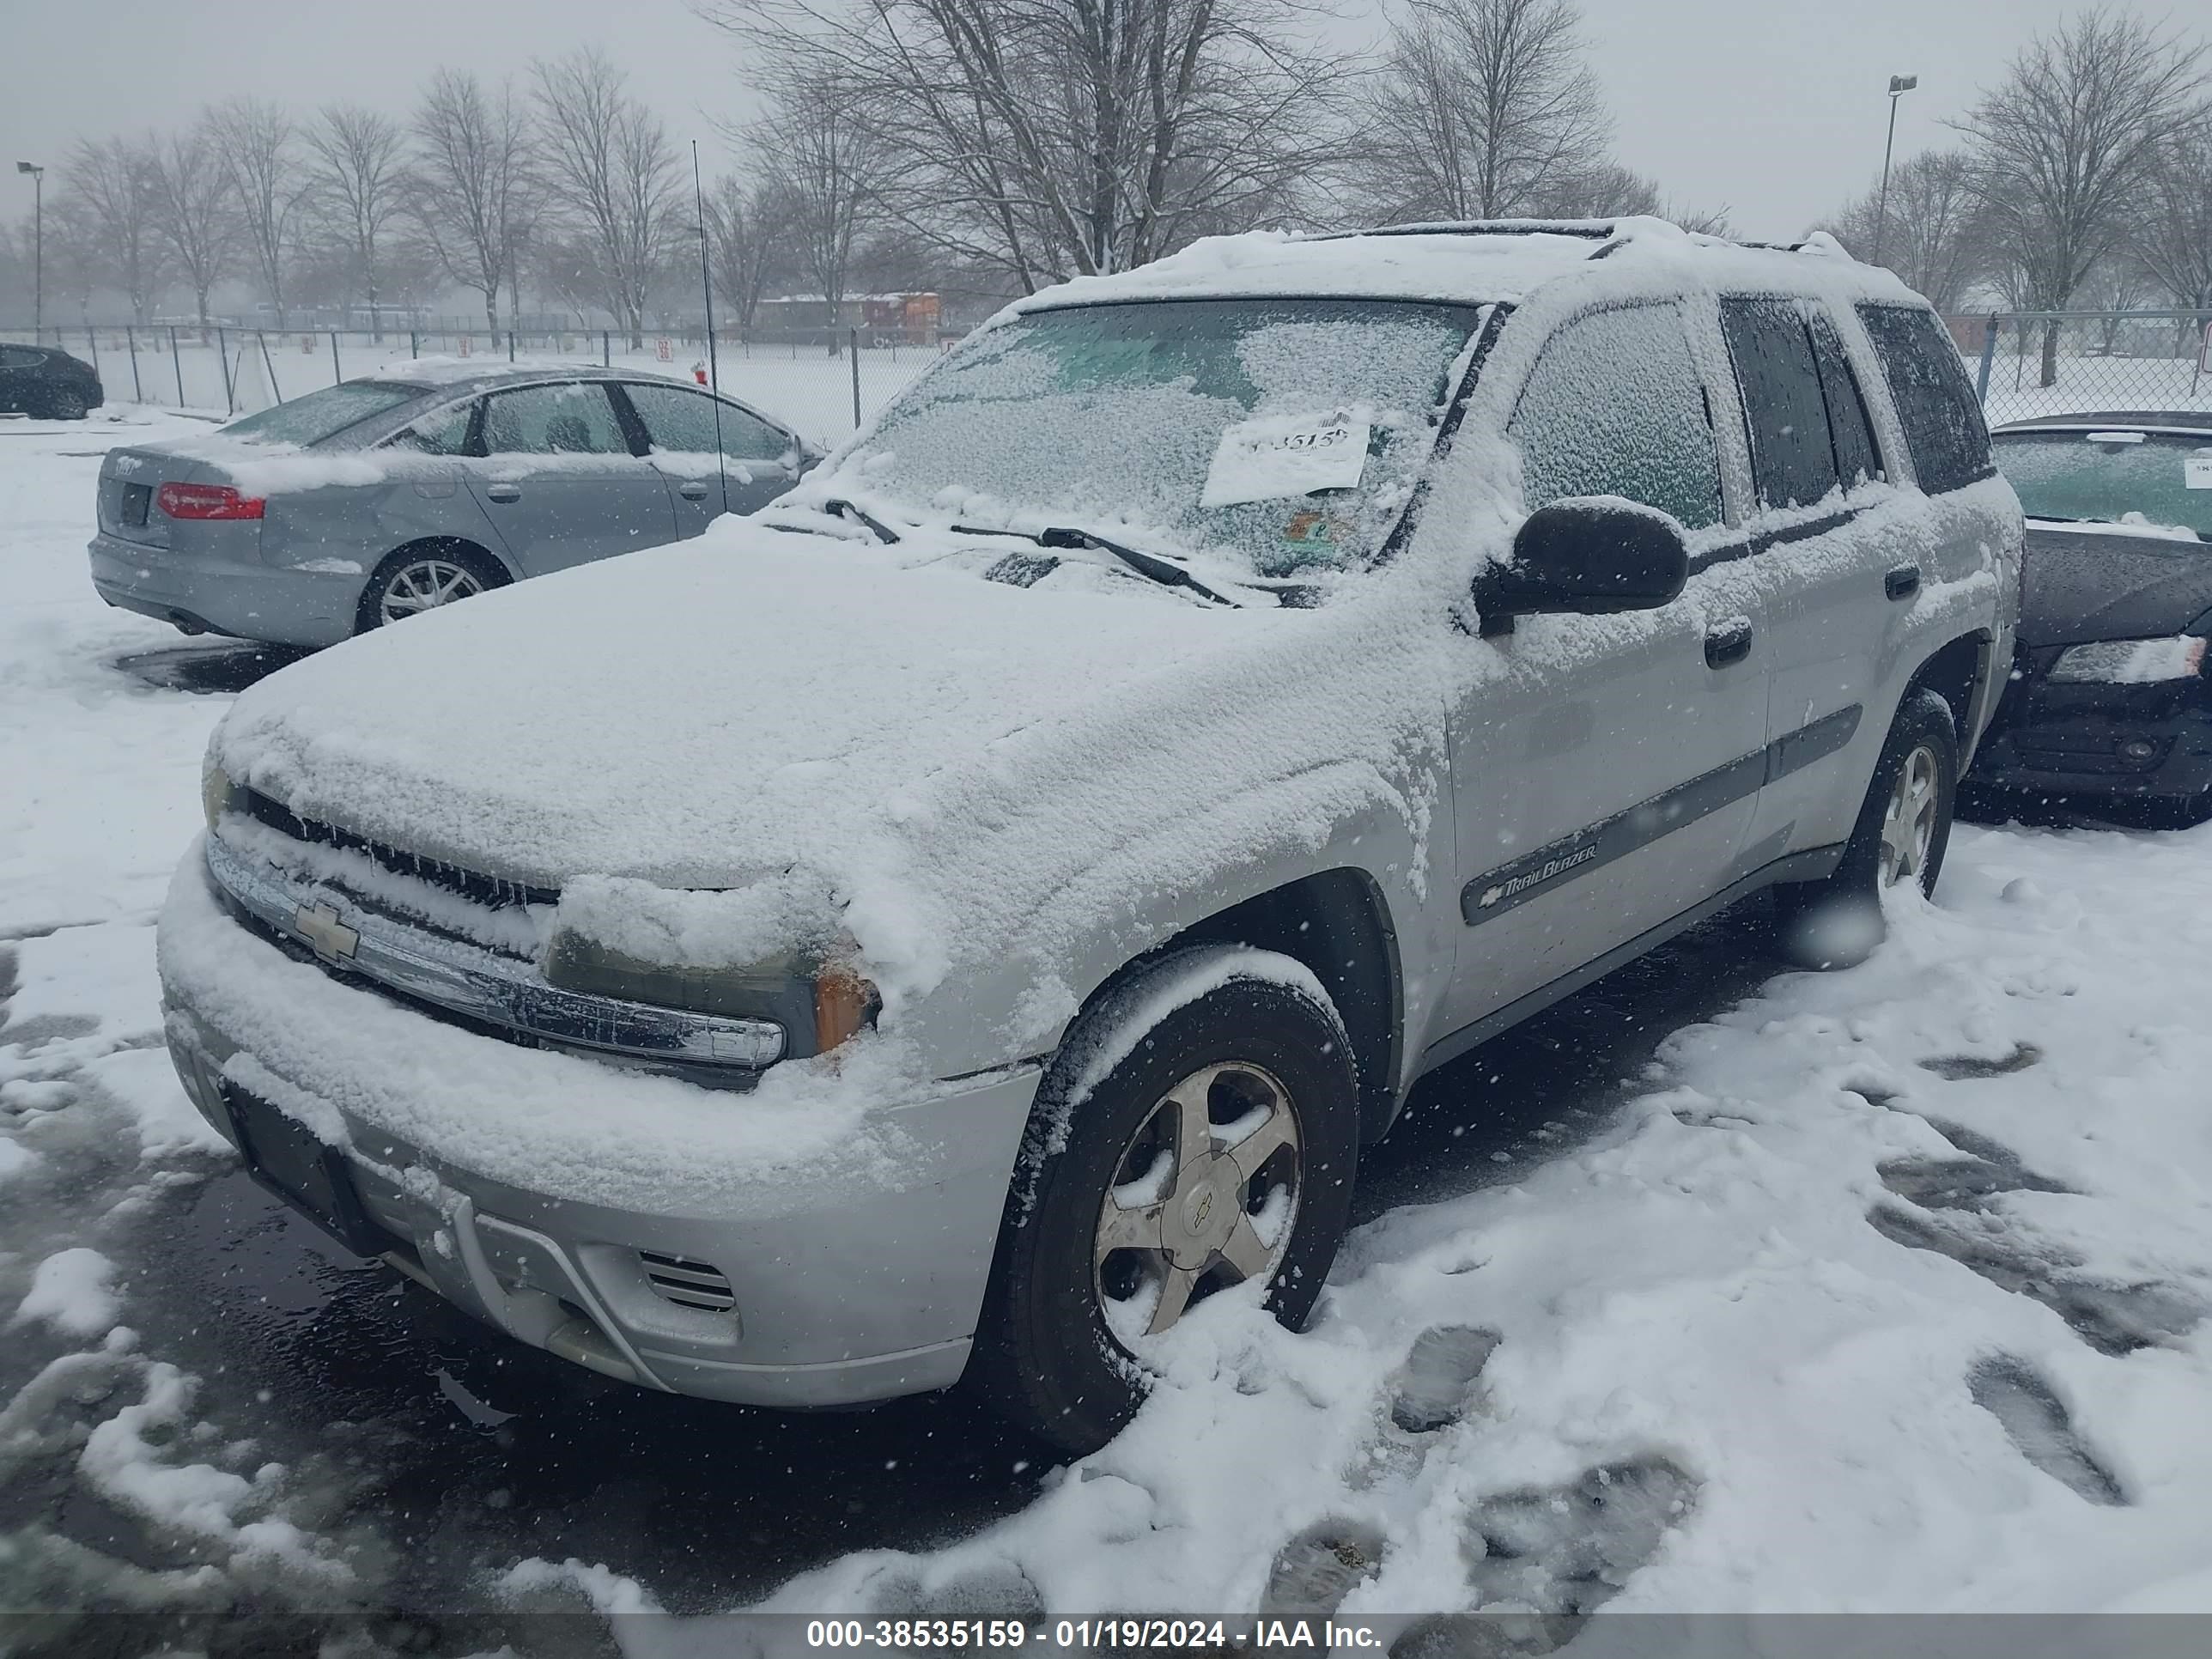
(687, 1283)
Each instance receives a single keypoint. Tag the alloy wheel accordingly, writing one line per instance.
(423, 585)
(1206, 1195)
(1908, 825)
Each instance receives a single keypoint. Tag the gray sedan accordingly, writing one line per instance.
(370, 501)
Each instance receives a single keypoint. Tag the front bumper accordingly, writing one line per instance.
(277, 605)
(2058, 743)
(853, 1271)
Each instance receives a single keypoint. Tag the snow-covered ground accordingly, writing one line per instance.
(1720, 1290)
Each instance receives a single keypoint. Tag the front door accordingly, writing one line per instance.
(559, 482)
(1605, 769)
(716, 457)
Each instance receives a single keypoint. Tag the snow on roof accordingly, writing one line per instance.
(1471, 263)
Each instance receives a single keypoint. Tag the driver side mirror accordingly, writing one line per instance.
(1590, 556)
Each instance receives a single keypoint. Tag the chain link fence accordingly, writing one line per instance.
(824, 382)
(2066, 363)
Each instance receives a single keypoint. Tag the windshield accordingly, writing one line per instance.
(324, 414)
(1284, 433)
(2167, 480)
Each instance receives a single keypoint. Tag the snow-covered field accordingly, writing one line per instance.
(1882, 1291)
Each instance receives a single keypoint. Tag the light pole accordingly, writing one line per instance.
(38, 244)
(1898, 86)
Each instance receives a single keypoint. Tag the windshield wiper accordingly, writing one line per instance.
(1165, 572)
(838, 507)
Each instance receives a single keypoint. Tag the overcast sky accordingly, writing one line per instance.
(1773, 107)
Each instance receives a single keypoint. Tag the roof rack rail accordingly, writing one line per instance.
(1594, 230)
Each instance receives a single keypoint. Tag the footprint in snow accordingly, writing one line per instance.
(1437, 1385)
(1959, 1067)
(2114, 1319)
(1569, 1550)
(1314, 1571)
(2038, 1423)
(1985, 1168)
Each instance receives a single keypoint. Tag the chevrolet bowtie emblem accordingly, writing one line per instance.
(319, 926)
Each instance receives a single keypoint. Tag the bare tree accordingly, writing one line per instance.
(825, 164)
(2173, 235)
(1049, 138)
(194, 208)
(112, 191)
(1935, 230)
(2064, 146)
(361, 184)
(258, 144)
(612, 173)
(1483, 109)
(474, 192)
(745, 229)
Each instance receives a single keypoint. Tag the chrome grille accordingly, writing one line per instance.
(687, 1283)
(493, 893)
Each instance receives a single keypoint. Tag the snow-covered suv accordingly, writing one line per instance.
(957, 920)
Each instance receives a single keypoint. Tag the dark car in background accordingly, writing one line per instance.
(2110, 701)
(46, 381)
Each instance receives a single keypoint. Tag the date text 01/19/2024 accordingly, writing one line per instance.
(1319, 1636)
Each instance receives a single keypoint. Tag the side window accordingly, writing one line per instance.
(1858, 460)
(1936, 402)
(575, 419)
(20, 357)
(1792, 463)
(441, 432)
(678, 421)
(1615, 407)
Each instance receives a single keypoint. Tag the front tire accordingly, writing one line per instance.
(1198, 1129)
(1903, 828)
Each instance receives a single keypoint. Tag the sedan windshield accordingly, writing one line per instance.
(325, 414)
(1284, 434)
(2108, 475)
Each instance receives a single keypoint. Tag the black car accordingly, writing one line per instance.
(2110, 701)
(47, 381)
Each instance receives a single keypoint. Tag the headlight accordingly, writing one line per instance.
(217, 791)
(819, 1005)
(2131, 662)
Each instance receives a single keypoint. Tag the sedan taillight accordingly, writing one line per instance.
(188, 500)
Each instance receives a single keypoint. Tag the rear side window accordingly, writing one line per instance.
(684, 422)
(20, 357)
(1615, 407)
(1936, 402)
(1793, 463)
(1858, 460)
(443, 432)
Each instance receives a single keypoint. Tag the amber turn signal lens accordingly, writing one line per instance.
(844, 1003)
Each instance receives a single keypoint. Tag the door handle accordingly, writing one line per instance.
(503, 492)
(1903, 582)
(692, 491)
(1730, 643)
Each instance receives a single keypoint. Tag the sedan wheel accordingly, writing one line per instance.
(67, 404)
(1206, 1195)
(424, 585)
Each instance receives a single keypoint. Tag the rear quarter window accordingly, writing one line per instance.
(1936, 402)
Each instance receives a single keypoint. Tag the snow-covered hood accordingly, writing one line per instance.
(925, 745)
(2081, 582)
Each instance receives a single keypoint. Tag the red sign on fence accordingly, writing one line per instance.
(665, 349)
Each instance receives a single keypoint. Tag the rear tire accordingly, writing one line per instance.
(67, 404)
(1132, 1200)
(1903, 828)
(423, 577)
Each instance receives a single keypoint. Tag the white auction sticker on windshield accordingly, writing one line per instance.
(1281, 455)
(2196, 472)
